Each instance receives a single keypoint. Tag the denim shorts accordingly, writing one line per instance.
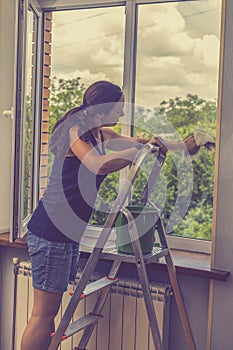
(54, 264)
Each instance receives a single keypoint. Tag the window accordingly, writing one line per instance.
(167, 59)
(176, 93)
(27, 121)
(87, 45)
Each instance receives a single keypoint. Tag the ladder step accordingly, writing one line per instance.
(112, 254)
(162, 252)
(96, 286)
(81, 323)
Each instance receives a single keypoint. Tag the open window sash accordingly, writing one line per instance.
(26, 115)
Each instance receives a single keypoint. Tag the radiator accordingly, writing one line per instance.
(124, 325)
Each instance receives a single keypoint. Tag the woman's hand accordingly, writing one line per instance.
(191, 145)
(158, 141)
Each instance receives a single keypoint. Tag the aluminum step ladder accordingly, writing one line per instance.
(88, 322)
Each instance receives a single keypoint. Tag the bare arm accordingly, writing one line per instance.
(124, 147)
(115, 141)
(96, 163)
(118, 142)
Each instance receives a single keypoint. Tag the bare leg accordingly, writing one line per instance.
(37, 333)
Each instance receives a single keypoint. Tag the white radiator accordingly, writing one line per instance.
(124, 325)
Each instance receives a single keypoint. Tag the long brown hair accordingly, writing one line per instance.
(97, 99)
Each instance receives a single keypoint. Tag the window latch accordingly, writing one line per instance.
(9, 113)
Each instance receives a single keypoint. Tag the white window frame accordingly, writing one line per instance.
(18, 223)
(128, 84)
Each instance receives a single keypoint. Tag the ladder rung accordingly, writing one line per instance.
(80, 324)
(97, 285)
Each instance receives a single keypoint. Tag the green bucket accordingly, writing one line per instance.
(145, 220)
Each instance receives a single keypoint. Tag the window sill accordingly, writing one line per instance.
(18, 243)
(196, 264)
(186, 263)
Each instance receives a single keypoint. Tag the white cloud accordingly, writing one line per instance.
(207, 50)
(92, 42)
(181, 42)
(178, 50)
(86, 76)
(161, 18)
(172, 62)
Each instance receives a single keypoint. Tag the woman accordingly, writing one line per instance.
(78, 142)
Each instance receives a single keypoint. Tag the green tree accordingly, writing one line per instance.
(65, 94)
(182, 115)
(27, 158)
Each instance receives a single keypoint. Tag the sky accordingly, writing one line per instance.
(177, 48)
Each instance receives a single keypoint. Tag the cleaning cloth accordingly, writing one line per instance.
(202, 138)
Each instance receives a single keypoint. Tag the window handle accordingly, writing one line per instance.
(9, 113)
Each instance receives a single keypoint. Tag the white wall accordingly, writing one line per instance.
(7, 34)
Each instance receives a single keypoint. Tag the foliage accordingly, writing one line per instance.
(181, 117)
(27, 159)
(175, 117)
(65, 94)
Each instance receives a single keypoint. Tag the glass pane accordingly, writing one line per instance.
(29, 124)
(87, 45)
(176, 93)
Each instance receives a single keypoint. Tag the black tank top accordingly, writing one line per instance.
(64, 210)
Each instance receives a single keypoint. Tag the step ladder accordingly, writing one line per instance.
(84, 288)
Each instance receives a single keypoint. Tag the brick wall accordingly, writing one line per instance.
(45, 102)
